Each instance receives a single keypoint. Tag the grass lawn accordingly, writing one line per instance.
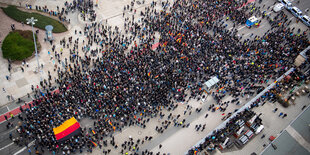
(18, 45)
(21, 16)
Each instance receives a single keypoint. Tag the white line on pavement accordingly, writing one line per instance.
(241, 27)
(298, 137)
(6, 146)
(247, 34)
(21, 150)
(121, 132)
(8, 131)
(268, 13)
(262, 25)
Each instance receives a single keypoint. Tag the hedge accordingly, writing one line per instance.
(21, 16)
(18, 45)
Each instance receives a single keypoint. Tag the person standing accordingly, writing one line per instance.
(275, 110)
(281, 113)
(12, 115)
(284, 115)
(12, 97)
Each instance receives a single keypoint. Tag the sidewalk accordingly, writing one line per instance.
(14, 107)
(20, 82)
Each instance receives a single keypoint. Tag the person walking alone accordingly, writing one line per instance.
(281, 113)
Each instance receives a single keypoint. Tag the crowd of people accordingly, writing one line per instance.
(124, 81)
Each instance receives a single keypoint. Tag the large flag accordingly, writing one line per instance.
(67, 129)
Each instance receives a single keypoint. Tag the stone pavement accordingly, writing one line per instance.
(20, 82)
(175, 140)
(272, 123)
(295, 139)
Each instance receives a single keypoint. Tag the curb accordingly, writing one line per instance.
(17, 110)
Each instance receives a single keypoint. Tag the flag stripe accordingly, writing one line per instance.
(67, 131)
(70, 135)
(94, 143)
(64, 125)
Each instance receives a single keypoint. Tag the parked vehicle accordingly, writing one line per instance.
(306, 20)
(287, 4)
(249, 134)
(252, 21)
(278, 7)
(296, 12)
(241, 141)
(244, 139)
(226, 144)
(257, 128)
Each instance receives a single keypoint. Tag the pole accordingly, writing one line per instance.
(35, 47)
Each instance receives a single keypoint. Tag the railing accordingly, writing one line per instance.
(303, 53)
(223, 124)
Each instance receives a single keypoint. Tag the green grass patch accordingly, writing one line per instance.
(18, 45)
(21, 16)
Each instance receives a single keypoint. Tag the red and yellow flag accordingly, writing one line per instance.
(94, 143)
(67, 129)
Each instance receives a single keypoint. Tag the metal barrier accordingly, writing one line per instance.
(223, 124)
(303, 53)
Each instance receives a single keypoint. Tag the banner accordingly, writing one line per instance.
(67, 129)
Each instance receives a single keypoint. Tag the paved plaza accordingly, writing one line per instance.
(174, 140)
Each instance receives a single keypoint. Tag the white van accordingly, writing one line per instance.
(278, 7)
(259, 129)
(296, 12)
(306, 20)
(287, 4)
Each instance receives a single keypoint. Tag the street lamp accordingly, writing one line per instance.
(32, 22)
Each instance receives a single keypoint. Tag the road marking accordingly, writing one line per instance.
(6, 146)
(248, 34)
(120, 132)
(298, 137)
(241, 27)
(21, 150)
(4, 133)
(230, 28)
(262, 25)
